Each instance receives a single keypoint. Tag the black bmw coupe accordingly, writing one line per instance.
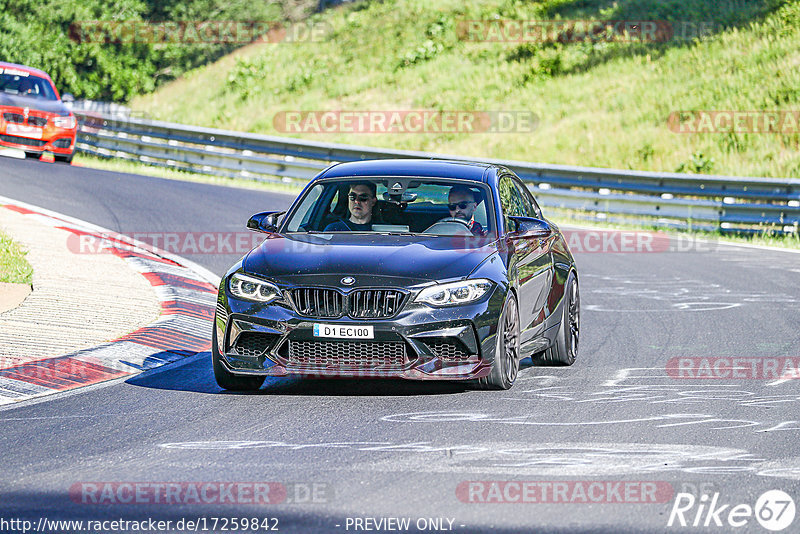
(418, 269)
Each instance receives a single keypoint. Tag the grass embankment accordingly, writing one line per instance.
(602, 104)
(14, 268)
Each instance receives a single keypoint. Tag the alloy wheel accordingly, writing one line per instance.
(511, 343)
(574, 318)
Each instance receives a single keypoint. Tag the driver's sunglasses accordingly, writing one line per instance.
(459, 205)
(363, 197)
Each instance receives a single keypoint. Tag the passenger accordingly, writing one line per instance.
(361, 200)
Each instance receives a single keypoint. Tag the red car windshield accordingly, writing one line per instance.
(23, 84)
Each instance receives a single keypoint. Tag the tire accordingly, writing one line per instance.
(64, 159)
(33, 155)
(564, 350)
(506, 359)
(226, 379)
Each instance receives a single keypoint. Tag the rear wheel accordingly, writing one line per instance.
(226, 379)
(506, 358)
(565, 348)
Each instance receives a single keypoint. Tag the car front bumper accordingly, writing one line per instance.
(50, 138)
(419, 343)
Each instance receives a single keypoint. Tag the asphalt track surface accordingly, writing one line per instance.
(380, 449)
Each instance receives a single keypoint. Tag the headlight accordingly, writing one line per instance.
(454, 293)
(65, 122)
(249, 288)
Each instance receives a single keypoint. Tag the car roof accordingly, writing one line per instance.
(29, 70)
(432, 168)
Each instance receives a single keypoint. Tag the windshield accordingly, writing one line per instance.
(425, 206)
(17, 82)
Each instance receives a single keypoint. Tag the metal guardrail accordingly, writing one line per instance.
(678, 200)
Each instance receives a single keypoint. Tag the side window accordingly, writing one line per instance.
(481, 214)
(531, 207)
(536, 207)
(334, 201)
(306, 209)
(511, 202)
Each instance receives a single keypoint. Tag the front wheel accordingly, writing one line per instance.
(64, 159)
(506, 357)
(226, 379)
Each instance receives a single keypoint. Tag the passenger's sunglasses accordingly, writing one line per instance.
(459, 205)
(363, 197)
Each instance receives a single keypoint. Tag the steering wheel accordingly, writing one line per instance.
(451, 220)
(454, 219)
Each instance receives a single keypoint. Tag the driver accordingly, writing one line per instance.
(462, 202)
(26, 87)
(361, 199)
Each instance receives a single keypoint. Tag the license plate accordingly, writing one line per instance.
(343, 331)
(24, 131)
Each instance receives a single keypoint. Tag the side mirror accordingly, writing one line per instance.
(530, 227)
(67, 98)
(266, 222)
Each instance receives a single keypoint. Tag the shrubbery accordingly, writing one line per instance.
(47, 34)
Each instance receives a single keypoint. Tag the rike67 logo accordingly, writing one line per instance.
(774, 510)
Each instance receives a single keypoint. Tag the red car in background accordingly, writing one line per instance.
(32, 116)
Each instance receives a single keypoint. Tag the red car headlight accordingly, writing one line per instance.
(65, 122)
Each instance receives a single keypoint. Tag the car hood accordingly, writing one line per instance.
(38, 104)
(325, 258)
